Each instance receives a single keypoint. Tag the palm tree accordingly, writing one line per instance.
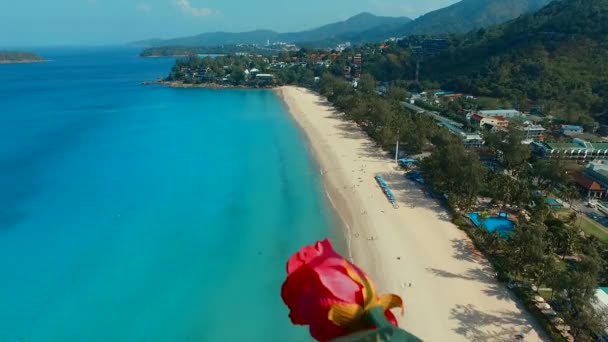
(571, 193)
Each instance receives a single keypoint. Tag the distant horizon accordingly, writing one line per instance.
(96, 23)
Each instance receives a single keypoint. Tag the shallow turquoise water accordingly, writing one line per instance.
(132, 213)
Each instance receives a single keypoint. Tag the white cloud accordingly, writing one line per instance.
(143, 7)
(186, 7)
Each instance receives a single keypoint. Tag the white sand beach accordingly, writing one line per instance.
(453, 294)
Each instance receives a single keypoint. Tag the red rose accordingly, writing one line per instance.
(331, 295)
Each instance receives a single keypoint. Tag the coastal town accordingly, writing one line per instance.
(346, 171)
(525, 184)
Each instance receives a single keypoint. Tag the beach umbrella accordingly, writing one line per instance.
(550, 312)
(543, 306)
(539, 299)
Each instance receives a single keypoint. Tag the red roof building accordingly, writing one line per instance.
(476, 117)
(590, 187)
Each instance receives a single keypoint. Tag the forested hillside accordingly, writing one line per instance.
(468, 15)
(556, 58)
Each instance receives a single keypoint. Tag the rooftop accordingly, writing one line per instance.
(577, 144)
(500, 112)
(588, 183)
(563, 146)
(598, 166)
(573, 127)
(533, 128)
(472, 137)
(600, 146)
(585, 136)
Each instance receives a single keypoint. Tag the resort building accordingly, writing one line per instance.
(469, 140)
(472, 141)
(569, 129)
(503, 118)
(593, 181)
(494, 121)
(264, 76)
(505, 113)
(589, 188)
(534, 132)
(578, 149)
(347, 72)
(357, 66)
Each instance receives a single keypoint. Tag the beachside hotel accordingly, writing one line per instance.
(593, 181)
(577, 149)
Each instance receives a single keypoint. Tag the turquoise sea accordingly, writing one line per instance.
(132, 213)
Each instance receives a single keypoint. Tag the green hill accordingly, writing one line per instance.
(468, 15)
(19, 57)
(461, 17)
(556, 58)
(353, 27)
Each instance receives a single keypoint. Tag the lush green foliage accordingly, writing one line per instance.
(454, 171)
(556, 58)
(382, 118)
(468, 15)
(535, 254)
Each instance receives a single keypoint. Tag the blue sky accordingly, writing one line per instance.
(95, 22)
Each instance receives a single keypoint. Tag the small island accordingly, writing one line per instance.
(16, 57)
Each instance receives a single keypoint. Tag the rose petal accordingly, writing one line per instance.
(302, 257)
(324, 331)
(306, 297)
(309, 253)
(334, 276)
(331, 268)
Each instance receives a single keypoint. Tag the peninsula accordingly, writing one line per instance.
(15, 57)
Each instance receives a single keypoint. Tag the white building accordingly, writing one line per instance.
(505, 113)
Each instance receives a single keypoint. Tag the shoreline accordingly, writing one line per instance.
(23, 62)
(182, 85)
(453, 295)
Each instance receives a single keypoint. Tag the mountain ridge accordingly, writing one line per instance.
(468, 15)
(353, 25)
(460, 17)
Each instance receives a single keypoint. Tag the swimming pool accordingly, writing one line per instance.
(501, 224)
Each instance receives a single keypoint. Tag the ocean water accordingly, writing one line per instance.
(132, 213)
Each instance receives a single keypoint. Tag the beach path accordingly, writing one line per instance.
(413, 251)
